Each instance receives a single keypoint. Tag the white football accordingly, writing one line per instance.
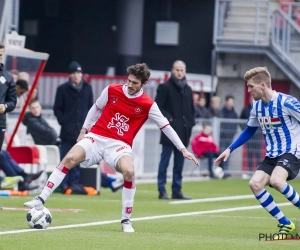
(38, 219)
(218, 172)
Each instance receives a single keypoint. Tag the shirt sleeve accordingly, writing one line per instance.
(96, 110)
(292, 107)
(163, 124)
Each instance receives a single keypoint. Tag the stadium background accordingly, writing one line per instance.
(117, 33)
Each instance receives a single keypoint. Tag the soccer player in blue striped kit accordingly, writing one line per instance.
(278, 115)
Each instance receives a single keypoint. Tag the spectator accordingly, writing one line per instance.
(10, 182)
(15, 74)
(200, 108)
(42, 133)
(228, 129)
(253, 145)
(204, 145)
(21, 89)
(175, 100)
(34, 95)
(8, 96)
(11, 169)
(215, 107)
(73, 100)
(195, 98)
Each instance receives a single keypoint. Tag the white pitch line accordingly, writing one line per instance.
(226, 198)
(144, 218)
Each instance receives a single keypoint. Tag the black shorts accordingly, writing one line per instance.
(288, 161)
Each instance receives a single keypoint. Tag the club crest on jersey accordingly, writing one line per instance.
(119, 122)
(138, 110)
(268, 123)
(114, 100)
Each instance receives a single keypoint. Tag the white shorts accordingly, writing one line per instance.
(99, 148)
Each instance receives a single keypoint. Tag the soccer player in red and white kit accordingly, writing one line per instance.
(122, 110)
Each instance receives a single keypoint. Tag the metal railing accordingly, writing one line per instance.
(286, 38)
(260, 24)
(9, 17)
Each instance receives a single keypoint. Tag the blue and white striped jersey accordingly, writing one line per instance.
(280, 123)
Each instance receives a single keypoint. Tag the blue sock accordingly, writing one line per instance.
(289, 192)
(267, 201)
(110, 181)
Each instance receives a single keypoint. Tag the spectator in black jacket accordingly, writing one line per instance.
(73, 100)
(8, 97)
(175, 100)
(42, 133)
(200, 108)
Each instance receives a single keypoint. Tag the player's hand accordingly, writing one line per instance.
(224, 156)
(189, 155)
(81, 134)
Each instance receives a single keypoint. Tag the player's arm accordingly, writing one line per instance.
(292, 107)
(94, 113)
(245, 136)
(162, 122)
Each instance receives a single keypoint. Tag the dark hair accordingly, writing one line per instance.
(2, 46)
(23, 84)
(34, 100)
(229, 97)
(140, 71)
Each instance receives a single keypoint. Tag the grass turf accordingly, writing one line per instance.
(222, 230)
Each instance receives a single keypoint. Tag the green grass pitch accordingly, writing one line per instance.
(158, 224)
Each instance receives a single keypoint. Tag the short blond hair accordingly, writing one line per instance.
(259, 75)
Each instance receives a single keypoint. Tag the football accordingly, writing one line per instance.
(38, 219)
(218, 172)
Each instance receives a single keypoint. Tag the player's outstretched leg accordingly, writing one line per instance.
(290, 193)
(267, 201)
(53, 182)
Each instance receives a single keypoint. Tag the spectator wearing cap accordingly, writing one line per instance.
(73, 100)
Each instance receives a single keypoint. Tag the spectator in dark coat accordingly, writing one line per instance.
(175, 100)
(42, 133)
(215, 107)
(200, 108)
(228, 129)
(73, 100)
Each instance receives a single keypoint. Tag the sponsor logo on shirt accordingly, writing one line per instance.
(268, 123)
(119, 122)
